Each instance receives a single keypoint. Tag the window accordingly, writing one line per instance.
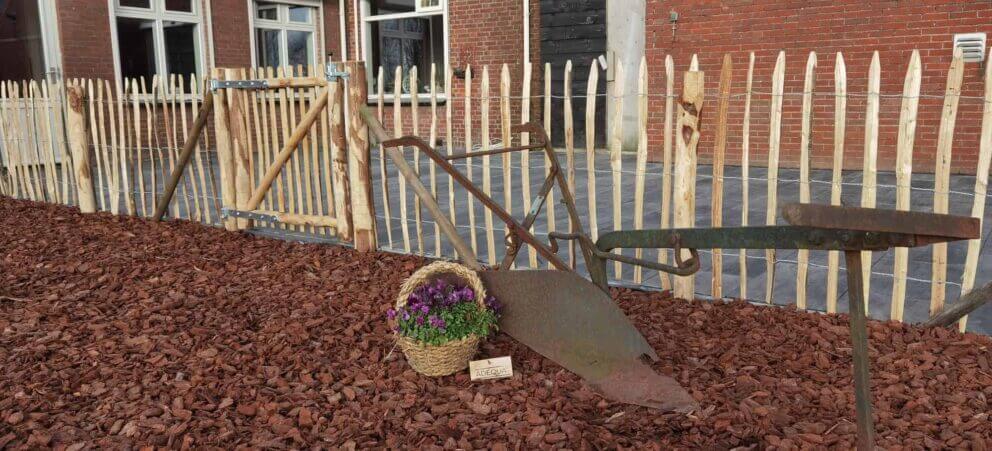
(285, 35)
(28, 40)
(157, 37)
(407, 34)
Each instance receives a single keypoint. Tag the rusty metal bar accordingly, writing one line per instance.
(515, 227)
(513, 245)
(876, 220)
(499, 151)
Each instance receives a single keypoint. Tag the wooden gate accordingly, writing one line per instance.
(287, 163)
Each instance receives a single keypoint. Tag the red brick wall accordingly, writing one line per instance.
(332, 30)
(232, 42)
(713, 28)
(84, 32)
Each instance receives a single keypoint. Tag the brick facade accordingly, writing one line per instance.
(856, 28)
(84, 33)
(87, 51)
(490, 33)
(232, 40)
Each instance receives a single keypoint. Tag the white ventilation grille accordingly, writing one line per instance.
(972, 46)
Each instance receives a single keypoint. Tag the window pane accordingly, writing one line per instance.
(267, 47)
(407, 43)
(185, 6)
(392, 6)
(20, 41)
(180, 48)
(300, 14)
(137, 49)
(136, 3)
(267, 11)
(430, 3)
(414, 25)
(300, 49)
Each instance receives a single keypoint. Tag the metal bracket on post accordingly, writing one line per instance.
(238, 84)
(332, 72)
(232, 213)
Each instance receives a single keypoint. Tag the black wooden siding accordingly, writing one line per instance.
(574, 30)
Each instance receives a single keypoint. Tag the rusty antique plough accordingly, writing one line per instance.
(575, 323)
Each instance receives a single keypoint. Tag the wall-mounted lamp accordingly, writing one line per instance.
(673, 18)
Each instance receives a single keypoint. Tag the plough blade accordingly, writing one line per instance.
(572, 322)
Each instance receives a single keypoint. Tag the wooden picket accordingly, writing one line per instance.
(942, 176)
(904, 173)
(642, 158)
(591, 90)
(805, 141)
(666, 163)
(719, 153)
(774, 145)
(840, 131)
(981, 189)
(870, 171)
(486, 169)
(745, 168)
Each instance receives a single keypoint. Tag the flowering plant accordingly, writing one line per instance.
(440, 312)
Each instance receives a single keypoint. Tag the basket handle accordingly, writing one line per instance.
(440, 268)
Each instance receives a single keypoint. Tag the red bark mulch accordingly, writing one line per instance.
(120, 332)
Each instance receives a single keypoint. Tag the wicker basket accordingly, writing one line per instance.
(450, 357)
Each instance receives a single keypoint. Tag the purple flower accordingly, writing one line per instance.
(437, 322)
(424, 308)
(493, 304)
(406, 315)
(420, 320)
(391, 314)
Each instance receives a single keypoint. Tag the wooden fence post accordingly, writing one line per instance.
(225, 156)
(690, 107)
(719, 153)
(80, 150)
(342, 191)
(239, 147)
(359, 156)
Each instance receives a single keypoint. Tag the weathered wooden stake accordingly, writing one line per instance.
(342, 191)
(80, 151)
(687, 137)
(225, 155)
(719, 152)
(359, 156)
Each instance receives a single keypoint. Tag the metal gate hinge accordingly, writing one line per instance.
(332, 73)
(238, 84)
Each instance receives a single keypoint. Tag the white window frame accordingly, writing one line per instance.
(50, 39)
(366, 52)
(159, 14)
(283, 24)
(424, 9)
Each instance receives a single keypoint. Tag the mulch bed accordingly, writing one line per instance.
(118, 332)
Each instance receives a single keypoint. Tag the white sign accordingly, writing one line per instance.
(497, 368)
